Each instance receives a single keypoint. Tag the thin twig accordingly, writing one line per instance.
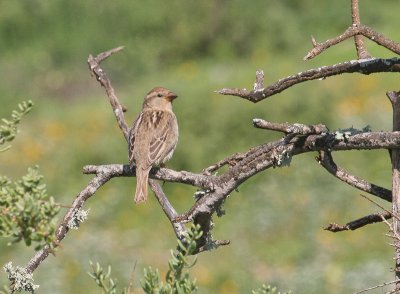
(380, 206)
(351, 32)
(231, 160)
(358, 40)
(259, 83)
(100, 74)
(378, 286)
(168, 209)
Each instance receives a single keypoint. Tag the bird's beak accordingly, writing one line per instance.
(171, 96)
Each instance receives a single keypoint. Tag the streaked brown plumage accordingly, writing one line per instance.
(153, 137)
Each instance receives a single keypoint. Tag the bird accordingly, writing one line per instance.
(153, 137)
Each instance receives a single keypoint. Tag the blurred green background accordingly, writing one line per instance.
(275, 220)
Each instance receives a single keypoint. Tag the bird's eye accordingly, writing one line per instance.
(159, 95)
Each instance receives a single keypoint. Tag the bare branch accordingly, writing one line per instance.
(351, 32)
(99, 73)
(359, 223)
(98, 181)
(230, 160)
(358, 40)
(245, 165)
(165, 174)
(394, 98)
(287, 128)
(213, 245)
(168, 209)
(266, 156)
(363, 66)
(325, 159)
(379, 286)
(302, 138)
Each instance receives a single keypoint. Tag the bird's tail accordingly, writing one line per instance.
(142, 177)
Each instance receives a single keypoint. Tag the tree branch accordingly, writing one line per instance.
(358, 40)
(351, 32)
(288, 128)
(359, 223)
(101, 77)
(364, 66)
(242, 166)
(325, 159)
(168, 209)
(62, 230)
(164, 174)
(214, 189)
(394, 98)
(273, 154)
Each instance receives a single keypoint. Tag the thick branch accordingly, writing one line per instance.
(100, 74)
(179, 228)
(394, 98)
(326, 160)
(165, 174)
(273, 154)
(217, 188)
(257, 159)
(365, 66)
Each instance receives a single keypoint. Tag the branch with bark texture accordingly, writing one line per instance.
(96, 183)
(352, 31)
(325, 159)
(100, 74)
(358, 40)
(394, 98)
(356, 30)
(359, 223)
(213, 189)
(362, 66)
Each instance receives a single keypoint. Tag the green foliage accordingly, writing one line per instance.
(177, 279)
(103, 280)
(8, 130)
(26, 211)
(268, 289)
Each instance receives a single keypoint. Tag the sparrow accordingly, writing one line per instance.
(153, 137)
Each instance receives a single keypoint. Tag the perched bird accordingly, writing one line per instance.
(153, 137)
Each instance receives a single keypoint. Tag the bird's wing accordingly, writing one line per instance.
(132, 137)
(161, 143)
(151, 138)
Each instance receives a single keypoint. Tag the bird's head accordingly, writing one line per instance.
(159, 97)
